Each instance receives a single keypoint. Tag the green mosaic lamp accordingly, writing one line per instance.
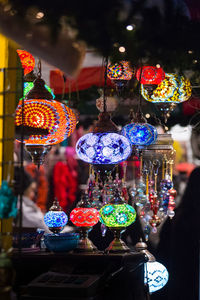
(117, 215)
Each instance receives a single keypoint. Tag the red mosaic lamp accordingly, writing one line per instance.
(27, 61)
(150, 75)
(46, 122)
(85, 217)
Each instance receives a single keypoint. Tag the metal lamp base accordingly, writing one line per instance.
(85, 245)
(117, 245)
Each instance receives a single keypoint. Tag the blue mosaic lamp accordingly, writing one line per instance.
(140, 133)
(55, 218)
(104, 146)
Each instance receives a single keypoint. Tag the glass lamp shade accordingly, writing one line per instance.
(27, 61)
(120, 71)
(29, 85)
(117, 215)
(140, 134)
(58, 119)
(84, 216)
(55, 219)
(150, 75)
(156, 275)
(173, 89)
(103, 148)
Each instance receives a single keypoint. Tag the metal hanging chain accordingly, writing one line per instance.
(39, 74)
(105, 84)
(140, 96)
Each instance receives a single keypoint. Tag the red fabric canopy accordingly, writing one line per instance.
(86, 78)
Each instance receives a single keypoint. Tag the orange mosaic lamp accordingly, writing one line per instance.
(58, 119)
(27, 61)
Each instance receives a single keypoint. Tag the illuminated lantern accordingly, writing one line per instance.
(27, 61)
(155, 275)
(85, 217)
(29, 85)
(173, 88)
(58, 119)
(120, 73)
(117, 215)
(104, 146)
(140, 134)
(55, 218)
(42, 113)
(150, 75)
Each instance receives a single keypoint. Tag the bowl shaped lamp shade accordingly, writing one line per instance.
(29, 85)
(27, 61)
(173, 89)
(103, 148)
(55, 219)
(120, 71)
(156, 275)
(84, 217)
(150, 75)
(117, 215)
(44, 114)
(140, 134)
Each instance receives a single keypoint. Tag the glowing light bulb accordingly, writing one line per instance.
(122, 49)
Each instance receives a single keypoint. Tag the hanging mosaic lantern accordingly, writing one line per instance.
(42, 113)
(173, 88)
(104, 145)
(140, 134)
(45, 114)
(84, 216)
(103, 148)
(117, 215)
(27, 61)
(55, 218)
(120, 73)
(150, 75)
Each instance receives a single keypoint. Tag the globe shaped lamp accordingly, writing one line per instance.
(27, 61)
(117, 216)
(172, 90)
(120, 73)
(45, 121)
(150, 75)
(140, 134)
(104, 146)
(55, 218)
(84, 217)
(155, 274)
